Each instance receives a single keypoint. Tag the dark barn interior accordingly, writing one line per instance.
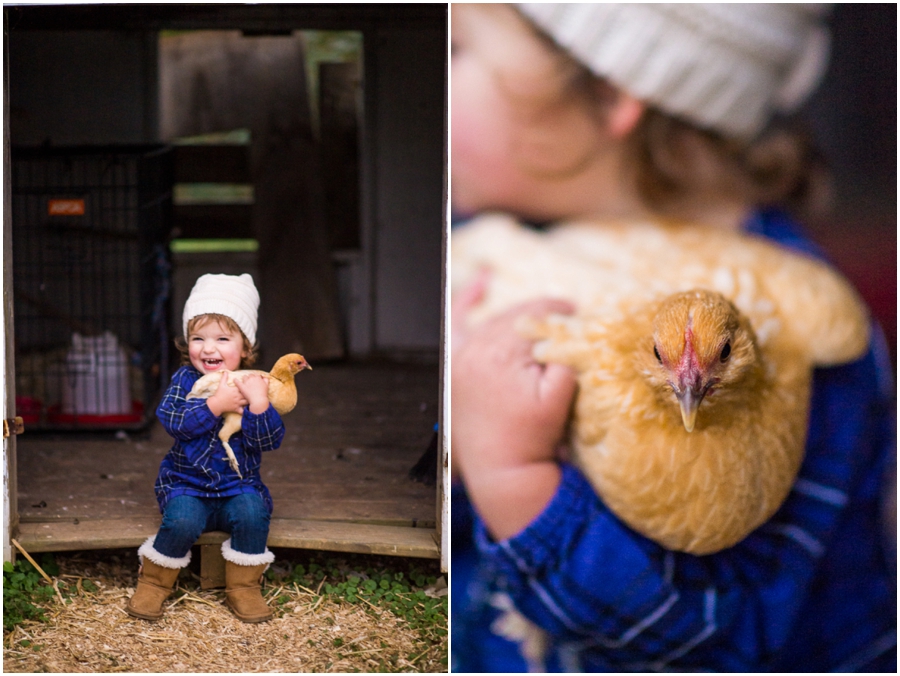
(853, 120)
(149, 144)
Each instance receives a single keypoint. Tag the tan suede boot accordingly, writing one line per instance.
(155, 582)
(243, 592)
(154, 586)
(243, 573)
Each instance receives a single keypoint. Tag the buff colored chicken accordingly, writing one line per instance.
(694, 350)
(282, 394)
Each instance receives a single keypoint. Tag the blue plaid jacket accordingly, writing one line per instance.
(197, 465)
(813, 589)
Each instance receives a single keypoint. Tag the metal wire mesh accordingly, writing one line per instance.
(90, 283)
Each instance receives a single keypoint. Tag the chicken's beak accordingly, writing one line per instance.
(689, 396)
(689, 401)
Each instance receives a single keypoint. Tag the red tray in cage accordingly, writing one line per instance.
(56, 416)
(29, 409)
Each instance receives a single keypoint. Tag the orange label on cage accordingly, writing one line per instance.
(66, 207)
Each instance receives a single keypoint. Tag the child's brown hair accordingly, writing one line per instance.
(251, 352)
(675, 163)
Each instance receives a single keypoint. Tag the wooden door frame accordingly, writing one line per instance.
(443, 479)
(7, 379)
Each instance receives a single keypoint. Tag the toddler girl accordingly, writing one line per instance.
(197, 489)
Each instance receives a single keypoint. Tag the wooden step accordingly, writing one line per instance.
(289, 533)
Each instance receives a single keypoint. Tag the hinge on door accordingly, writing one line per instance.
(13, 426)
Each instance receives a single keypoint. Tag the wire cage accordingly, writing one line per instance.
(91, 278)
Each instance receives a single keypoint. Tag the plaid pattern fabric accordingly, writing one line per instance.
(197, 465)
(810, 590)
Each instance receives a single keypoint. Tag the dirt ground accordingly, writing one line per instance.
(310, 633)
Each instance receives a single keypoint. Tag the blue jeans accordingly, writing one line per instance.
(186, 517)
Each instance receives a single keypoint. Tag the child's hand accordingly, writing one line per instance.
(508, 416)
(255, 389)
(463, 303)
(226, 398)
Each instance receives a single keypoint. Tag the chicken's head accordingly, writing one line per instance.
(292, 363)
(701, 345)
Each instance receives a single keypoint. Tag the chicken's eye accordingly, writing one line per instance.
(726, 352)
(656, 354)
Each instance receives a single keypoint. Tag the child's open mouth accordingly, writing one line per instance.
(212, 364)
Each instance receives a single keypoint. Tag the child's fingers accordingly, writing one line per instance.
(472, 294)
(506, 328)
(557, 387)
(463, 303)
(253, 382)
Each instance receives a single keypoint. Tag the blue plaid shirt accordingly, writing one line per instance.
(197, 465)
(813, 589)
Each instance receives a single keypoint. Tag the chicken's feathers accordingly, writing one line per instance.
(696, 491)
(604, 269)
(208, 385)
(282, 394)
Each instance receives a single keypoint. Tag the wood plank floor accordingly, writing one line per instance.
(342, 469)
(336, 536)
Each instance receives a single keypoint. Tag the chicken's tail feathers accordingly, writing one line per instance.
(851, 340)
(823, 314)
(837, 330)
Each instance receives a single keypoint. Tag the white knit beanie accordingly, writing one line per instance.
(725, 67)
(229, 295)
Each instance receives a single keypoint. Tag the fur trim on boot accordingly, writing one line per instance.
(155, 582)
(146, 551)
(243, 573)
(233, 555)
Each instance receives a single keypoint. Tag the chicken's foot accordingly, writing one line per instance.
(232, 460)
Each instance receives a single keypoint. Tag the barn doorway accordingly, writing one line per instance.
(323, 177)
(266, 131)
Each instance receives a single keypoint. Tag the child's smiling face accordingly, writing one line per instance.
(213, 347)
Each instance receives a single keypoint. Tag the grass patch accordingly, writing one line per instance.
(25, 591)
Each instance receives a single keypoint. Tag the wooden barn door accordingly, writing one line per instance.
(218, 81)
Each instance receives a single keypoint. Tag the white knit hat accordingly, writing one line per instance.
(233, 296)
(727, 67)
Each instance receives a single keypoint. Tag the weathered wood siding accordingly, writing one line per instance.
(213, 81)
